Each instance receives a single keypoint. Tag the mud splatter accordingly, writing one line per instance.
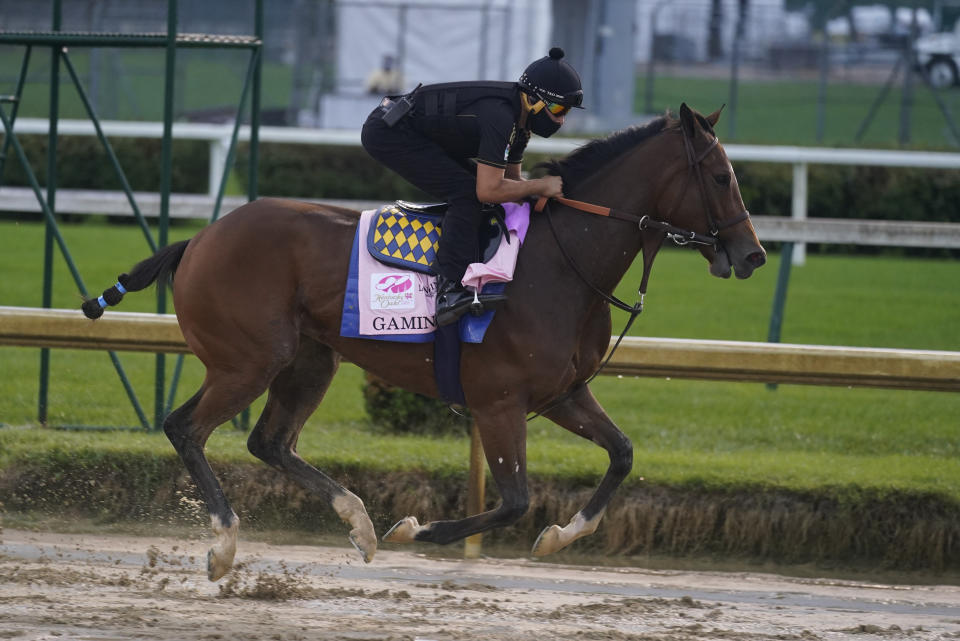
(97, 587)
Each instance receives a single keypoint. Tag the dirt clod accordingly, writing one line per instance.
(90, 586)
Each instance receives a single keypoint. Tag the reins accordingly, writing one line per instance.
(678, 235)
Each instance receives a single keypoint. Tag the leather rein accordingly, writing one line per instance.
(678, 235)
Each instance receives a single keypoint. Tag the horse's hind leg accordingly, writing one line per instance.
(582, 415)
(222, 396)
(503, 433)
(294, 395)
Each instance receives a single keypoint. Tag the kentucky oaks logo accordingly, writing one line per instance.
(391, 291)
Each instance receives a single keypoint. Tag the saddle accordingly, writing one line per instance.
(407, 234)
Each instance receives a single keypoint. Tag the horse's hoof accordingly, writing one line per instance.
(366, 547)
(363, 537)
(220, 556)
(216, 569)
(555, 538)
(404, 531)
(548, 542)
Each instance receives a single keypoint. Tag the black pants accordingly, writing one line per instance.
(427, 166)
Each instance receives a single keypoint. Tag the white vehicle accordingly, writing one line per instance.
(938, 54)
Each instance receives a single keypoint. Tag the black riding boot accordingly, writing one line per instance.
(452, 300)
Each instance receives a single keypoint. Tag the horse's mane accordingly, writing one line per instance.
(585, 160)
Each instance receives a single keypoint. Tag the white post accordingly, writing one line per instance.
(799, 207)
(218, 160)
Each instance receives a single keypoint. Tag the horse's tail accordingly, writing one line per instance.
(158, 268)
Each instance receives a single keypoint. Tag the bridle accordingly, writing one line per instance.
(677, 235)
(695, 168)
(651, 244)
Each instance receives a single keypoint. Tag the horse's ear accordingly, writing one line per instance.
(687, 120)
(715, 116)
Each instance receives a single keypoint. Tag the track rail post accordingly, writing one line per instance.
(476, 489)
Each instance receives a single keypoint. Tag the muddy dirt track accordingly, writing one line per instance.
(102, 588)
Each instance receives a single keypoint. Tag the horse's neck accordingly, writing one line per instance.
(609, 246)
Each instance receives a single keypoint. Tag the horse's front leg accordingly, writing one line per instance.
(582, 415)
(503, 433)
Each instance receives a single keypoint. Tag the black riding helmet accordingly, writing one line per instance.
(552, 79)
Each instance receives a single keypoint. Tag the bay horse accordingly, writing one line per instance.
(259, 295)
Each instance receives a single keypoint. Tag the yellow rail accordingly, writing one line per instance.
(68, 328)
(786, 363)
(653, 357)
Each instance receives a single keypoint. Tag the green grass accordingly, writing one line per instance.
(780, 111)
(785, 111)
(131, 87)
(685, 432)
(866, 301)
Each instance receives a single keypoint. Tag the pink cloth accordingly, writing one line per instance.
(500, 267)
(392, 300)
(401, 301)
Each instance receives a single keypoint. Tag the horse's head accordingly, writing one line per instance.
(705, 198)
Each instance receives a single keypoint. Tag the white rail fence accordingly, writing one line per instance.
(770, 228)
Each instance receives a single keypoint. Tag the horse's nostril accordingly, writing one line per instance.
(757, 259)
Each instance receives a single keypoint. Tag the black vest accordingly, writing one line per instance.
(439, 104)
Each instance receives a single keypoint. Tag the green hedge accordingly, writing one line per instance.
(842, 191)
(401, 412)
(307, 171)
(867, 193)
(84, 164)
(882, 193)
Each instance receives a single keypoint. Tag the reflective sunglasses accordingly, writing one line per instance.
(557, 109)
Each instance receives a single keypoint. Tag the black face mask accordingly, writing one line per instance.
(541, 124)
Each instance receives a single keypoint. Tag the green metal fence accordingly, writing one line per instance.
(59, 40)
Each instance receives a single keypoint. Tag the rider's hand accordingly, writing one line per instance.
(552, 186)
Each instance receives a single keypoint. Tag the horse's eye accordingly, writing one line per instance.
(722, 179)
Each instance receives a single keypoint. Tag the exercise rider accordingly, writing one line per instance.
(463, 143)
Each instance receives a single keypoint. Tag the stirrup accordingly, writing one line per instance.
(476, 307)
(482, 303)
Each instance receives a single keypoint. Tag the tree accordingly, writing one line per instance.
(715, 30)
